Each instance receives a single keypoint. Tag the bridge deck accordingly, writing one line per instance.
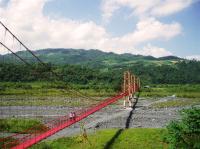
(68, 122)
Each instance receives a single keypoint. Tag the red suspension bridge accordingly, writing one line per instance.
(131, 85)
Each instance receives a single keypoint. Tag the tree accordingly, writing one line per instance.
(185, 134)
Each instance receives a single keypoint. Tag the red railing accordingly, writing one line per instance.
(68, 122)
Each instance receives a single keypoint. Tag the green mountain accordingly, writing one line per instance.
(93, 58)
(97, 68)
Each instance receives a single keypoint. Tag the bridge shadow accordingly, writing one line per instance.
(127, 125)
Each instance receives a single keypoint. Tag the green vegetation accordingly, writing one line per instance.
(185, 134)
(185, 91)
(92, 58)
(106, 76)
(140, 138)
(96, 74)
(42, 89)
(48, 93)
(57, 93)
(45, 101)
(14, 125)
(8, 143)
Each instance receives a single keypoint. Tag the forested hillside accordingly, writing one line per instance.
(179, 73)
(92, 58)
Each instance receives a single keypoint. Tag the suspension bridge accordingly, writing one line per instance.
(29, 137)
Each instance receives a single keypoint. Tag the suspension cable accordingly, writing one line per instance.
(38, 59)
(15, 54)
(22, 44)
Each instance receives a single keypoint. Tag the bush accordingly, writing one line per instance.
(22, 86)
(2, 88)
(185, 134)
(14, 125)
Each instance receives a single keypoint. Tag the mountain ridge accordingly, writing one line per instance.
(99, 51)
(93, 57)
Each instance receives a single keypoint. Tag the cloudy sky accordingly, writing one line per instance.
(150, 27)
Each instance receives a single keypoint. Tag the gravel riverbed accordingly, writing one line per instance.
(113, 116)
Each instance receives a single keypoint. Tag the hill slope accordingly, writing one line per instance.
(94, 57)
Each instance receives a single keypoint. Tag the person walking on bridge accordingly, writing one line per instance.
(71, 115)
(74, 116)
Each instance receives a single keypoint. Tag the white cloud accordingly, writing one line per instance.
(138, 7)
(153, 50)
(146, 30)
(151, 8)
(191, 57)
(168, 7)
(148, 50)
(150, 29)
(27, 21)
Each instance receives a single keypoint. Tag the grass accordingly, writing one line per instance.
(58, 89)
(7, 143)
(44, 101)
(140, 138)
(14, 125)
(41, 89)
(53, 93)
(177, 103)
(184, 91)
(48, 94)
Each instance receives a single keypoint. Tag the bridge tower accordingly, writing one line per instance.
(131, 85)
